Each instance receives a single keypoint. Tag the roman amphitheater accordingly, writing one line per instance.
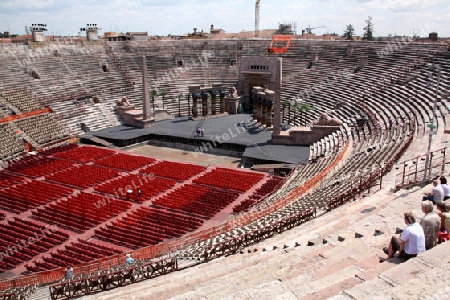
(252, 216)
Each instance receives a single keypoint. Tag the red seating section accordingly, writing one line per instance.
(29, 195)
(147, 226)
(150, 186)
(22, 240)
(84, 154)
(124, 161)
(230, 179)
(76, 253)
(9, 179)
(174, 170)
(199, 200)
(267, 188)
(83, 176)
(82, 212)
(58, 201)
(39, 165)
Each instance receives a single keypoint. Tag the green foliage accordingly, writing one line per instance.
(368, 30)
(303, 108)
(153, 94)
(162, 93)
(349, 32)
(285, 103)
(179, 96)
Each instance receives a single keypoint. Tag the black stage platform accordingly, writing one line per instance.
(232, 133)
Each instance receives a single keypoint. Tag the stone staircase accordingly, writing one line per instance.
(42, 293)
(419, 278)
(335, 255)
(106, 111)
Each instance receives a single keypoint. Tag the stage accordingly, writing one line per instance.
(230, 133)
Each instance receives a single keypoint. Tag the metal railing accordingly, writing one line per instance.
(411, 172)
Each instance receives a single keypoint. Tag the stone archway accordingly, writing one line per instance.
(265, 72)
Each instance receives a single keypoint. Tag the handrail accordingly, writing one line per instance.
(116, 278)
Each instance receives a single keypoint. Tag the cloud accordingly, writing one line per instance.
(402, 5)
(162, 17)
(27, 6)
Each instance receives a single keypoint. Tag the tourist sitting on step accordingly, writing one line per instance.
(445, 187)
(431, 223)
(444, 214)
(411, 241)
(436, 194)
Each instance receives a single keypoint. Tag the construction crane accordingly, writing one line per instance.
(257, 18)
(309, 29)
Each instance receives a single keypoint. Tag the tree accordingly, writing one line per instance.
(284, 103)
(289, 106)
(349, 32)
(368, 30)
(179, 96)
(296, 108)
(163, 93)
(304, 108)
(153, 94)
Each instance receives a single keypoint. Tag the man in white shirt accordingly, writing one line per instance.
(411, 241)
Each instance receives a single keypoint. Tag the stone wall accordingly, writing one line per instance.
(303, 136)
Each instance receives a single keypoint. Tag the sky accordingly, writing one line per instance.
(163, 17)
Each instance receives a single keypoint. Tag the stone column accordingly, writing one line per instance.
(204, 96)
(259, 106)
(270, 96)
(222, 102)
(255, 105)
(146, 105)
(213, 102)
(255, 92)
(263, 110)
(194, 105)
